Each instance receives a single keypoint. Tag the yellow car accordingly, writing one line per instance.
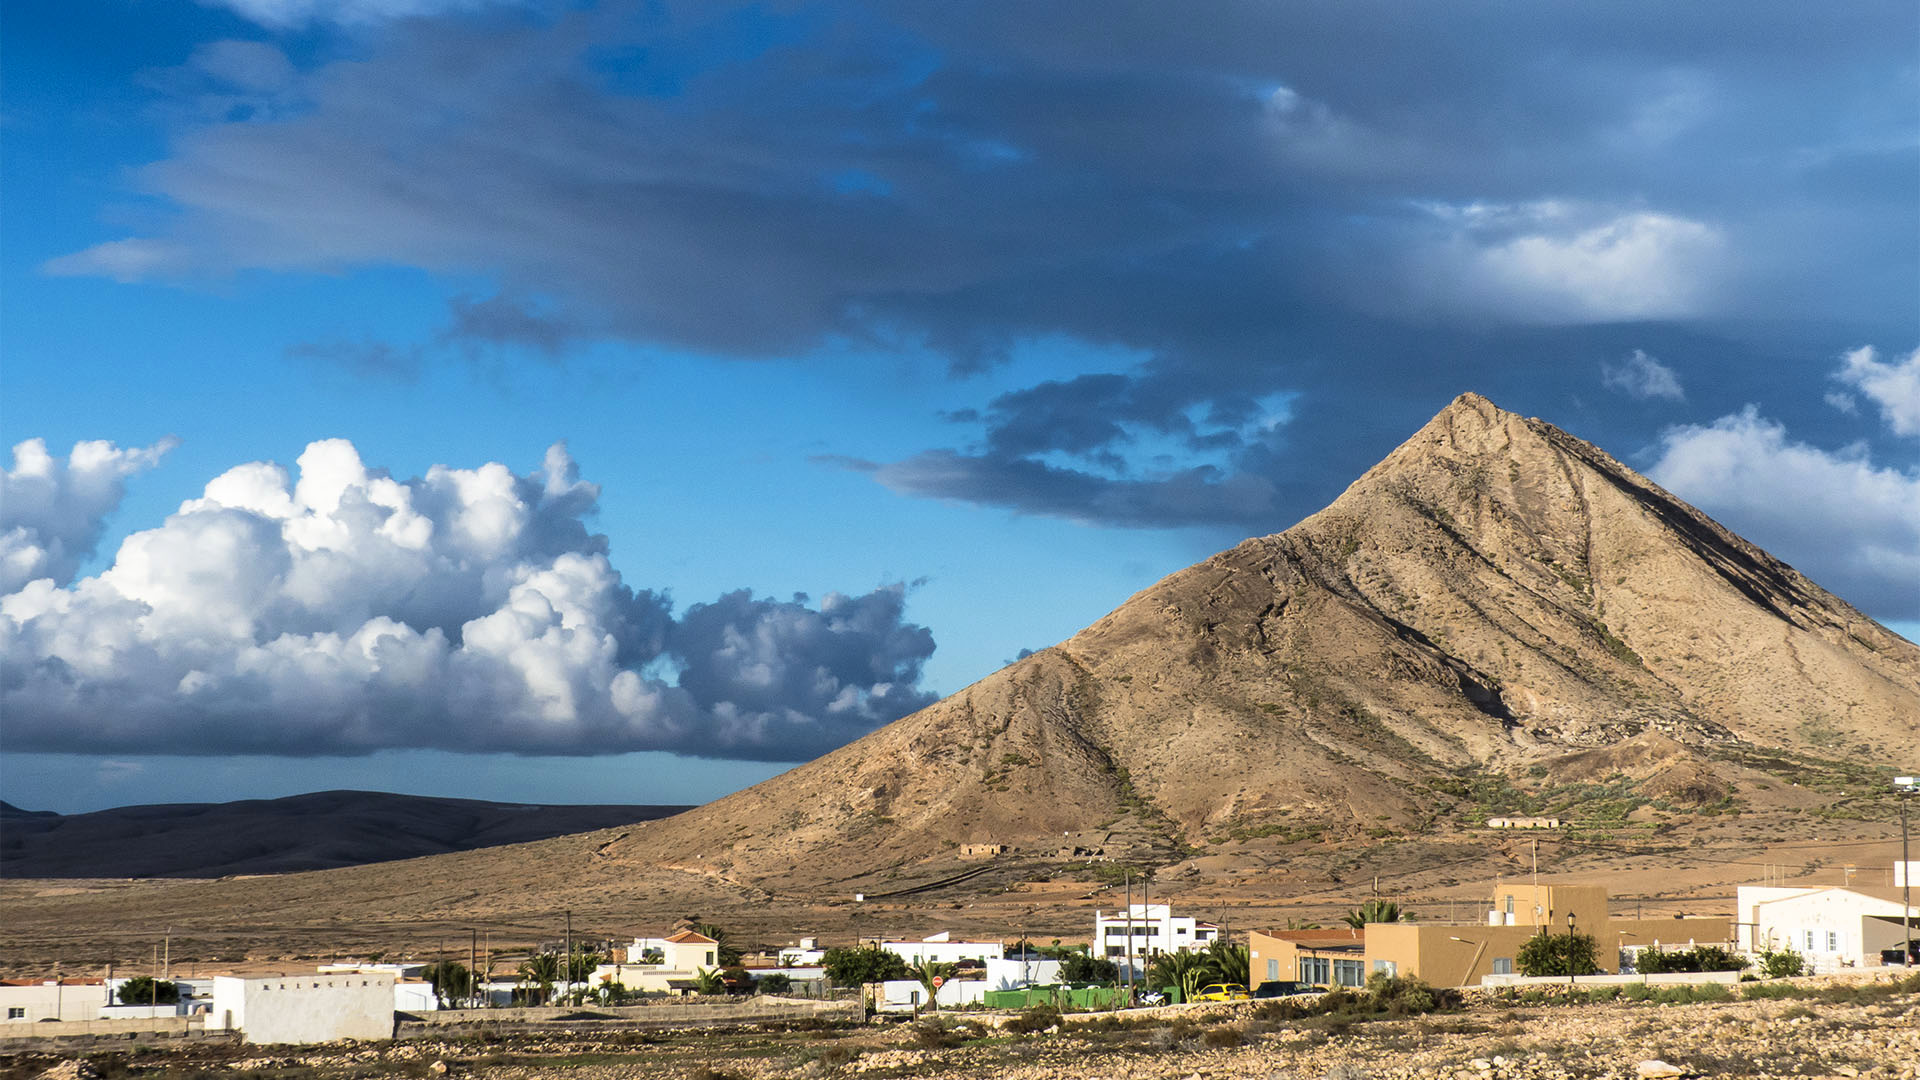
(1223, 992)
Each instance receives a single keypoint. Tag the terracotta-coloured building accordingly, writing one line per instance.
(1463, 954)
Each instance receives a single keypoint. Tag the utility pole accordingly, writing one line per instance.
(1127, 877)
(567, 978)
(473, 965)
(1905, 785)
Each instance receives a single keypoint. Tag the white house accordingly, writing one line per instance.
(304, 1008)
(683, 951)
(26, 1001)
(1833, 927)
(805, 954)
(1154, 929)
(942, 949)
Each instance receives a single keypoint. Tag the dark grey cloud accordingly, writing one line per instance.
(344, 611)
(1365, 208)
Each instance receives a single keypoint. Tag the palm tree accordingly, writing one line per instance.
(1376, 911)
(927, 971)
(708, 981)
(1230, 962)
(542, 970)
(1187, 970)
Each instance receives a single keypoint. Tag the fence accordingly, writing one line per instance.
(83, 1032)
(763, 1009)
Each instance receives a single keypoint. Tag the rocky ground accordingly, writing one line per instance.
(1825, 1029)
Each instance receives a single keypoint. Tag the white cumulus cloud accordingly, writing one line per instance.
(1846, 522)
(336, 609)
(1894, 385)
(52, 511)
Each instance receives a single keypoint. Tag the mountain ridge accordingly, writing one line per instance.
(314, 831)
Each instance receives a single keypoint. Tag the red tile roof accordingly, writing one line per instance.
(689, 937)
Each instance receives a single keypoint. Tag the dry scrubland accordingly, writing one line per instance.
(1815, 1028)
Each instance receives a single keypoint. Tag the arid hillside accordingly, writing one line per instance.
(1496, 599)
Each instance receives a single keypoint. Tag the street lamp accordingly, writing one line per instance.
(1570, 949)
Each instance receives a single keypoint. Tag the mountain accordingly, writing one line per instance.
(273, 836)
(1497, 617)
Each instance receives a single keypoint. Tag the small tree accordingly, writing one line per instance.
(451, 981)
(613, 993)
(1783, 964)
(1078, 967)
(1559, 954)
(854, 967)
(581, 965)
(146, 990)
(778, 982)
(1376, 911)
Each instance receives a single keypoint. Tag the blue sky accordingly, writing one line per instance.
(884, 341)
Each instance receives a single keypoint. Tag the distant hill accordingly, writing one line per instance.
(320, 831)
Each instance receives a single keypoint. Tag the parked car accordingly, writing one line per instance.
(1276, 988)
(1223, 992)
(1892, 956)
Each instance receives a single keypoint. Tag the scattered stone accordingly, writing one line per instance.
(71, 1070)
(1655, 1069)
(438, 1068)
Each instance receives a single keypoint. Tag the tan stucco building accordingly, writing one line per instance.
(1463, 954)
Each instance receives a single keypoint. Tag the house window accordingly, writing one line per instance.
(1509, 904)
(1315, 970)
(1503, 965)
(16, 1013)
(1833, 941)
(1807, 937)
(1273, 971)
(1349, 973)
(1391, 967)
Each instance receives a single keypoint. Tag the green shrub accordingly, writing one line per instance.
(1698, 958)
(1603, 993)
(1559, 954)
(1783, 964)
(1636, 992)
(852, 967)
(146, 990)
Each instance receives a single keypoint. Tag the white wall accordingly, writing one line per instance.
(45, 1001)
(304, 1008)
(897, 995)
(942, 950)
(1014, 974)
